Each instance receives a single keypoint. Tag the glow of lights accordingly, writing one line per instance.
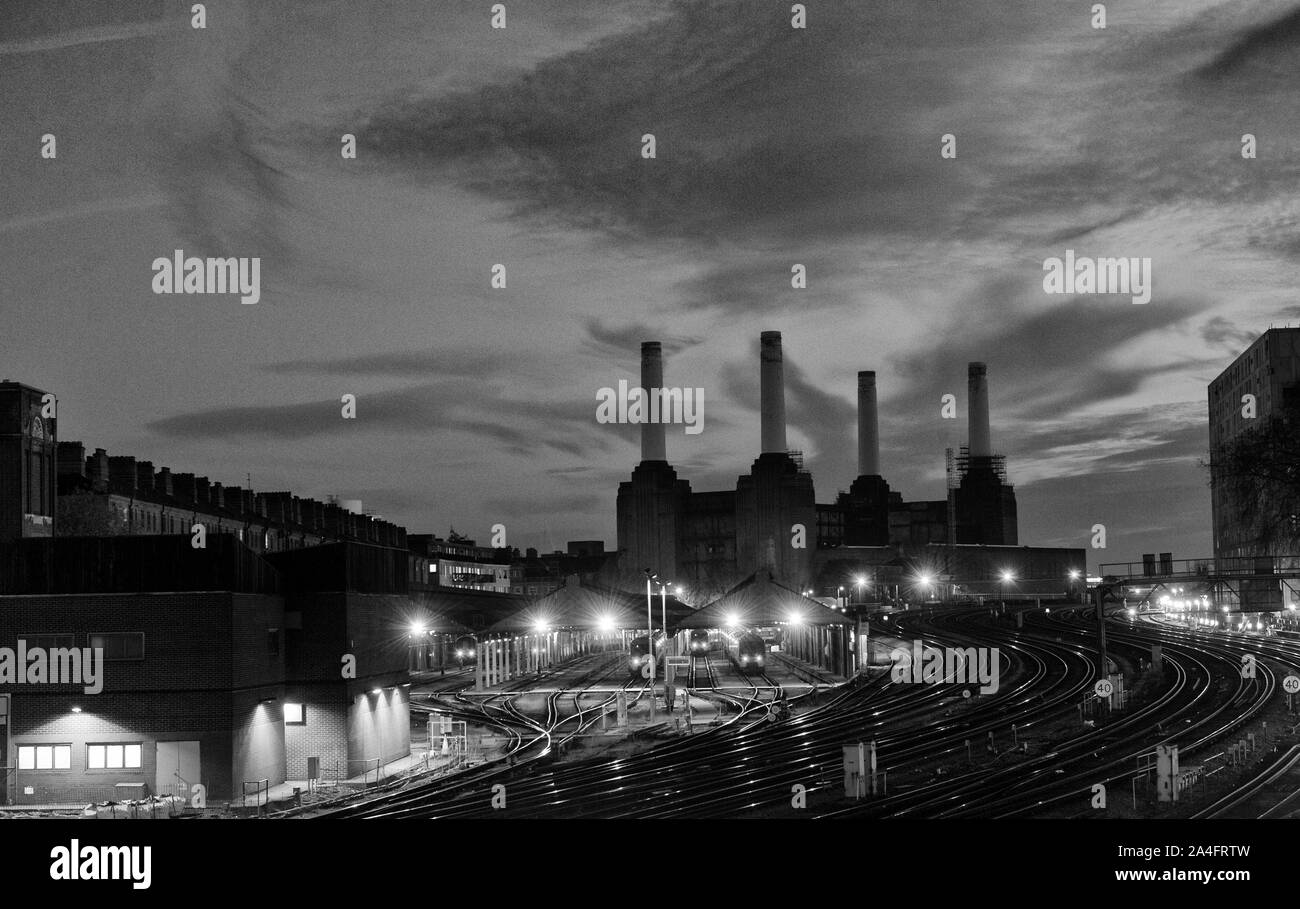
(925, 580)
(680, 590)
(376, 690)
(794, 618)
(417, 628)
(733, 620)
(859, 580)
(541, 628)
(76, 710)
(605, 624)
(1008, 576)
(1074, 574)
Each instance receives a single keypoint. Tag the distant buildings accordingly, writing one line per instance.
(459, 562)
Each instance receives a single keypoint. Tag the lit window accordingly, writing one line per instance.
(44, 757)
(295, 715)
(114, 757)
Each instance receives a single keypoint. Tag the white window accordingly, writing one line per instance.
(114, 757)
(44, 757)
(294, 714)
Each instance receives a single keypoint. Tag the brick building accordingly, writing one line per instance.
(221, 665)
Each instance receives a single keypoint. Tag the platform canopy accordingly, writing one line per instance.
(761, 600)
(591, 608)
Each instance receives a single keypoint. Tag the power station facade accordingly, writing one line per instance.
(772, 521)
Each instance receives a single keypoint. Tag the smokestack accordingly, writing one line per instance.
(978, 390)
(868, 427)
(652, 377)
(772, 392)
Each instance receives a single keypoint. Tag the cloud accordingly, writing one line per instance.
(610, 341)
(409, 364)
(1219, 332)
(1273, 44)
(517, 426)
(93, 35)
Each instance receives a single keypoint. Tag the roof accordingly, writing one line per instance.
(589, 606)
(759, 600)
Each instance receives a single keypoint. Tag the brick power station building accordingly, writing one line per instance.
(714, 540)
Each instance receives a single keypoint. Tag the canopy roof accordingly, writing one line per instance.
(591, 607)
(761, 600)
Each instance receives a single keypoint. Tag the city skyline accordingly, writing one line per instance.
(522, 146)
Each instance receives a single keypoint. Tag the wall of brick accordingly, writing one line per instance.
(206, 669)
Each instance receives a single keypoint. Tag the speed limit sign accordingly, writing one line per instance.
(1291, 684)
(1104, 688)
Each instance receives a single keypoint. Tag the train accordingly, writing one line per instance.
(466, 650)
(748, 652)
(703, 641)
(637, 655)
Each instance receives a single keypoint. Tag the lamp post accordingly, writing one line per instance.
(650, 630)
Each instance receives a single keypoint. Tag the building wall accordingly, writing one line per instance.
(706, 557)
(770, 500)
(649, 516)
(28, 465)
(379, 726)
(1269, 369)
(205, 667)
(325, 733)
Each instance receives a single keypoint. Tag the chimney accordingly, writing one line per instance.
(978, 413)
(71, 459)
(121, 474)
(652, 377)
(868, 426)
(772, 393)
(97, 470)
(183, 487)
(144, 476)
(162, 482)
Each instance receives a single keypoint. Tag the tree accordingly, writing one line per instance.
(85, 514)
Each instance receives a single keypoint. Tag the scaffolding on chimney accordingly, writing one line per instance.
(965, 462)
(796, 455)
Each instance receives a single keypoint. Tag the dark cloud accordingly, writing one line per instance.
(411, 364)
(518, 426)
(1273, 44)
(1219, 332)
(610, 341)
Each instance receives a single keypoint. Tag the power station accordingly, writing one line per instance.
(772, 521)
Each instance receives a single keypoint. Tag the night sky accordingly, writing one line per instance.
(521, 146)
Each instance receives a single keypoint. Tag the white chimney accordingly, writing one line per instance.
(868, 426)
(978, 414)
(772, 393)
(653, 447)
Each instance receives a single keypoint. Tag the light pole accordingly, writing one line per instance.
(663, 603)
(650, 624)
